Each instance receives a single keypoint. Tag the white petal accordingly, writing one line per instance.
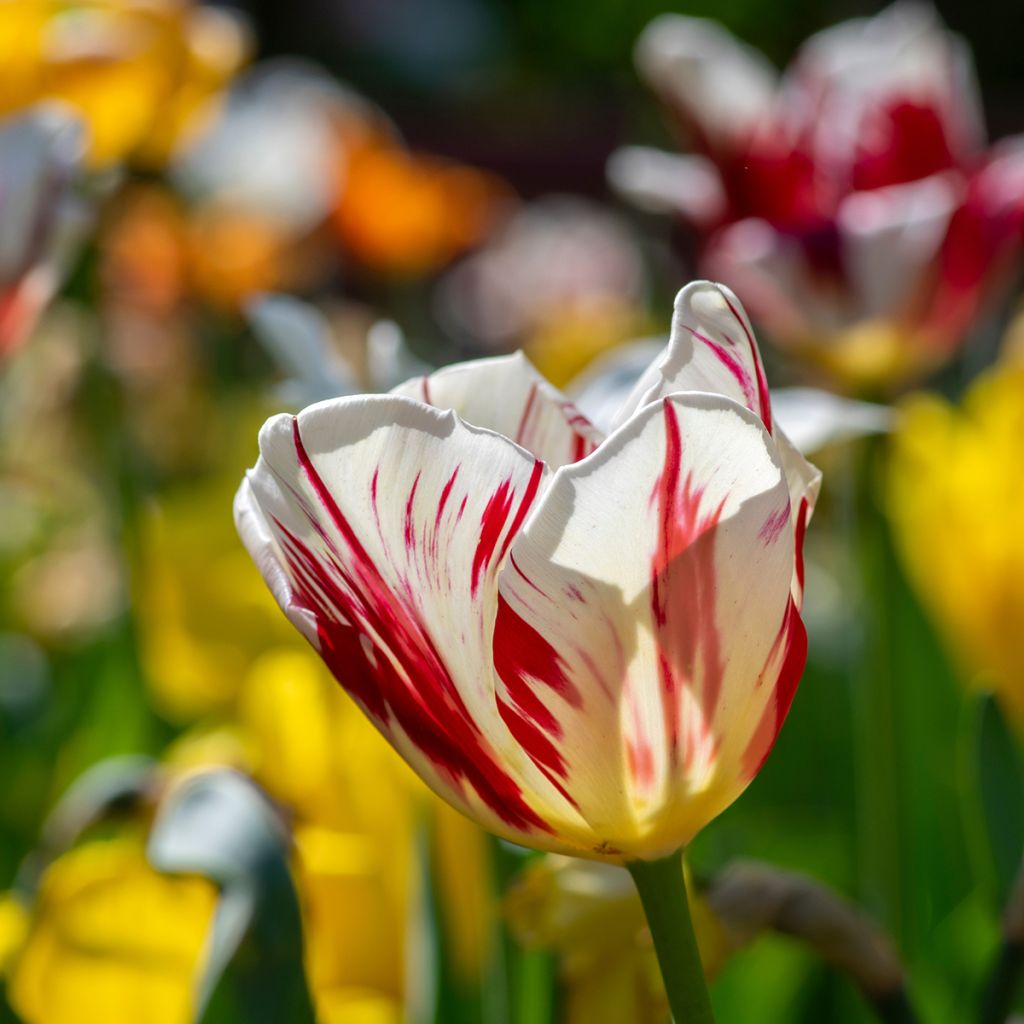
(712, 348)
(39, 150)
(275, 146)
(600, 391)
(379, 524)
(890, 237)
(389, 360)
(658, 182)
(722, 85)
(813, 419)
(645, 619)
(298, 338)
(507, 395)
(804, 482)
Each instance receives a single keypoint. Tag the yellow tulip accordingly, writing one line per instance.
(112, 941)
(14, 926)
(138, 71)
(203, 616)
(355, 808)
(956, 501)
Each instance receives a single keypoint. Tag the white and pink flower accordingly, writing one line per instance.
(586, 643)
(852, 198)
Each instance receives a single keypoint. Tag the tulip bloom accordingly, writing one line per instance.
(955, 499)
(853, 201)
(587, 644)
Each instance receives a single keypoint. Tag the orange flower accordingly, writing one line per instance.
(407, 213)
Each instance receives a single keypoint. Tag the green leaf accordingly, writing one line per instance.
(998, 798)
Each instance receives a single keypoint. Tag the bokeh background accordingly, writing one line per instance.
(137, 644)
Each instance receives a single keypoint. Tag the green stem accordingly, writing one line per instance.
(663, 895)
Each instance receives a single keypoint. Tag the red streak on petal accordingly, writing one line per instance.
(446, 493)
(775, 524)
(763, 395)
(733, 365)
(541, 750)
(494, 518)
(639, 754)
(523, 658)
(522, 575)
(425, 390)
(793, 634)
(492, 522)
(683, 591)
(521, 434)
(581, 448)
(529, 495)
(798, 542)
(409, 529)
(374, 642)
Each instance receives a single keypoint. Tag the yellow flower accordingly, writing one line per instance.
(139, 71)
(112, 941)
(203, 615)
(589, 915)
(956, 501)
(14, 926)
(355, 808)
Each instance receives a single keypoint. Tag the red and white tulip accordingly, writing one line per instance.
(586, 643)
(850, 200)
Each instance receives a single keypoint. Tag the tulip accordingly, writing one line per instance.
(111, 940)
(852, 201)
(955, 501)
(41, 219)
(586, 644)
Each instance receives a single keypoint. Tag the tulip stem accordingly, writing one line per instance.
(662, 890)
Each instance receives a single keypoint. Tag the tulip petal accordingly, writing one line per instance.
(712, 348)
(720, 86)
(379, 524)
(507, 395)
(804, 482)
(892, 97)
(659, 182)
(645, 611)
(890, 237)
